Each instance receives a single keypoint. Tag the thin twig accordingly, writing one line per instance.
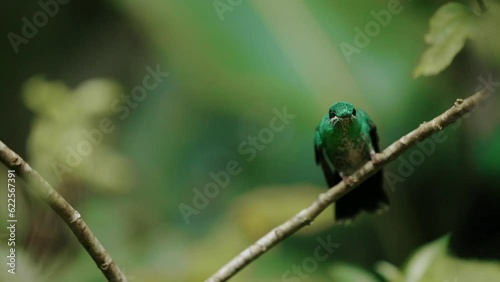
(306, 216)
(65, 211)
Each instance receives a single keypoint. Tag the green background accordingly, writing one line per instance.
(227, 72)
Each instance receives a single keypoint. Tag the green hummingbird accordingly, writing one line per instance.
(344, 141)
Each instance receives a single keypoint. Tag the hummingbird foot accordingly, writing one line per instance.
(374, 158)
(347, 180)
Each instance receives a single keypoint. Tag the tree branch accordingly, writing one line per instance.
(65, 211)
(306, 216)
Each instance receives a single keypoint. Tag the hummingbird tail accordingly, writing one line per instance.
(369, 196)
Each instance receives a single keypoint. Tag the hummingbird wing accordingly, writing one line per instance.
(377, 180)
(374, 135)
(332, 177)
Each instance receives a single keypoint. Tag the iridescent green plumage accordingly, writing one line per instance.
(344, 141)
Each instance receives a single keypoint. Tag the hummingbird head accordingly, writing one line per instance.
(343, 113)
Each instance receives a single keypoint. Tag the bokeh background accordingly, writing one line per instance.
(231, 65)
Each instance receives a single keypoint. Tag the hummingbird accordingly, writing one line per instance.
(344, 141)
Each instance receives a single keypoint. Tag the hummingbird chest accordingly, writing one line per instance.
(348, 154)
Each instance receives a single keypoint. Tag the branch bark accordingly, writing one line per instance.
(307, 215)
(65, 211)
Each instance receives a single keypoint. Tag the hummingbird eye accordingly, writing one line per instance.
(354, 112)
(332, 114)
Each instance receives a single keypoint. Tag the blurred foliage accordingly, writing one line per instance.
(73, 120)
(432, 263)
(231, 64)
(263, 208)
(449, 28)
(346, 272)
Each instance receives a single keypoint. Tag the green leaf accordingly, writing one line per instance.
(344, 272)
(389, 271)
(450, 26)
(433, 263)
